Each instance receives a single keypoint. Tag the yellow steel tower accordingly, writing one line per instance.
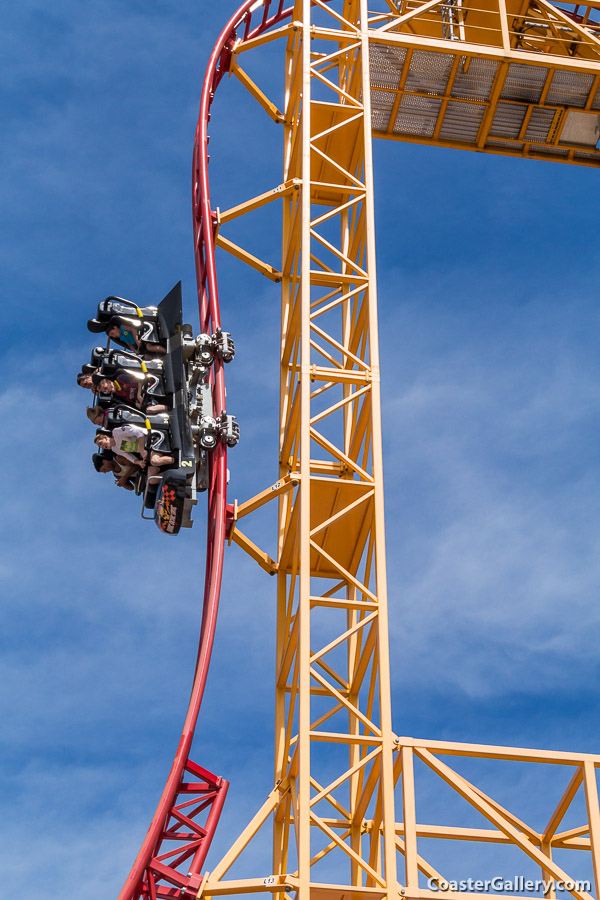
(511, 76)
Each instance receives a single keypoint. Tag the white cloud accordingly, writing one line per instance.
(494, 560)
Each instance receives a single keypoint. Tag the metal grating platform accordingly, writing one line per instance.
(462, 74)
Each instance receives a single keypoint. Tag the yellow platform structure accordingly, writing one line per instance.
(520, 78)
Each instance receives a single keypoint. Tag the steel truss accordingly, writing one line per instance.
(332, 645)
(343, 809)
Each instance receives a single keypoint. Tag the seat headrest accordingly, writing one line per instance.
(96, 327)
(110, 370)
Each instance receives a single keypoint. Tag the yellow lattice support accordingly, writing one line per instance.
(332, 643)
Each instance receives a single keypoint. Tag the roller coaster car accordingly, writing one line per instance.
(177, 489)
(172, 493)
(150, 373)
(180, 380)
(171, 502)
(121, 414)
(118, 311)
(103, 358)
(156, 323)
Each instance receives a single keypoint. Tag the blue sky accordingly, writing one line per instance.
(489, 327)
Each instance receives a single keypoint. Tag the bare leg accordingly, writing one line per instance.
(155, 350)
(160, 459)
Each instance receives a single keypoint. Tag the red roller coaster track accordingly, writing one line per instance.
(171, 857)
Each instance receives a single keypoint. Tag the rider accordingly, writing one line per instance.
(126, 332)
(96, 415)
(127, 387)
(84, 380)
(123, 472)
(129, 441)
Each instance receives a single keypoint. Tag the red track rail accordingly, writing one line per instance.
(171, 857)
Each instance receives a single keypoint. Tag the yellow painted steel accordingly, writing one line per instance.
(507, 76)
(515, 78)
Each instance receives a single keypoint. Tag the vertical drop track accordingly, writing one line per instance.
(173, 852)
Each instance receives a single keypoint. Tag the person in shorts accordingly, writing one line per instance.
(129, 442)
